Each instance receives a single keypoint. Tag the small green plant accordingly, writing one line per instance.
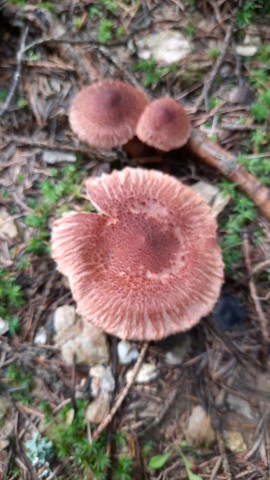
(46, 6)
(11, 299)
(33, 56)
(105, 33)
(77, 22)
(213, 53)
(62, 185)
(93, 12)
(260, 109)
(151, 72)
(3, 94)
(245, 13)
(190, 29)
(111, 5)
(19, 383)
(70, 440)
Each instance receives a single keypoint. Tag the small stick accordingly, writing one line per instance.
(123, 394)
(261, 316)
(227, 165)
(224, 458)
(17, 74)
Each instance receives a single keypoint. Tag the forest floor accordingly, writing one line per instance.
(220, 372)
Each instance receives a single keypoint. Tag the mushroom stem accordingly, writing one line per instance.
(134, 148)
(226, 164)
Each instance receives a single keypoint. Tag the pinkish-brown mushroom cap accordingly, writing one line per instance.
(105, 114)
(164, 124)
(147, 265)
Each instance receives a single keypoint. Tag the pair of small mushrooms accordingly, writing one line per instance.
(147, 265)
(110, 113)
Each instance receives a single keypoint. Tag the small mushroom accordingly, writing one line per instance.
(164, 124)
(105, 114)
(147, 265)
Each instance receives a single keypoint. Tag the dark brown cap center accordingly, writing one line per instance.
(110, 99)
(164, 115)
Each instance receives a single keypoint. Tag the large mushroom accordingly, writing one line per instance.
(164, 124)
(105, 114)
(147, 265)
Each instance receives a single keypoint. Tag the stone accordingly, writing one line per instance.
(199, 431)
(234, 441)
(165, 47)
(4, 328)
(40, 337)
(104, 378)
(55, 156)
(126, 352)
(80, 341)
(64, 319)
(98, 409)
(246, 50)
(146, 373)
(8, 228)
(88, 348)
(240, 405)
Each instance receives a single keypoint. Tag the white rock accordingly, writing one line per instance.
(234, 441)
(240, 405)
(79, 340)
(86, 350)
(246, 50)
(98, 409)
(105, 377)
(40, 337)
(126, 352)
(4, 328)
(199, 431)
(64, 318)
(164, 47)
(146, 373)
(212, 196)
(8, 228)
(176, 354)
(54, 156)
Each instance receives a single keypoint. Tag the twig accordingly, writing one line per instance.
(253, 292)
(224, 458)
(123, 394)
(211, 76)
(17, 74)
(261, 266)
(227, 165)
(216, 468)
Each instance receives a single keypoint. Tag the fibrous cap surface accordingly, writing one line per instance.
(147, 265)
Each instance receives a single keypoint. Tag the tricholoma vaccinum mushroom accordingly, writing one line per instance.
(105, 114)
(147, 265)
(164, 124)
